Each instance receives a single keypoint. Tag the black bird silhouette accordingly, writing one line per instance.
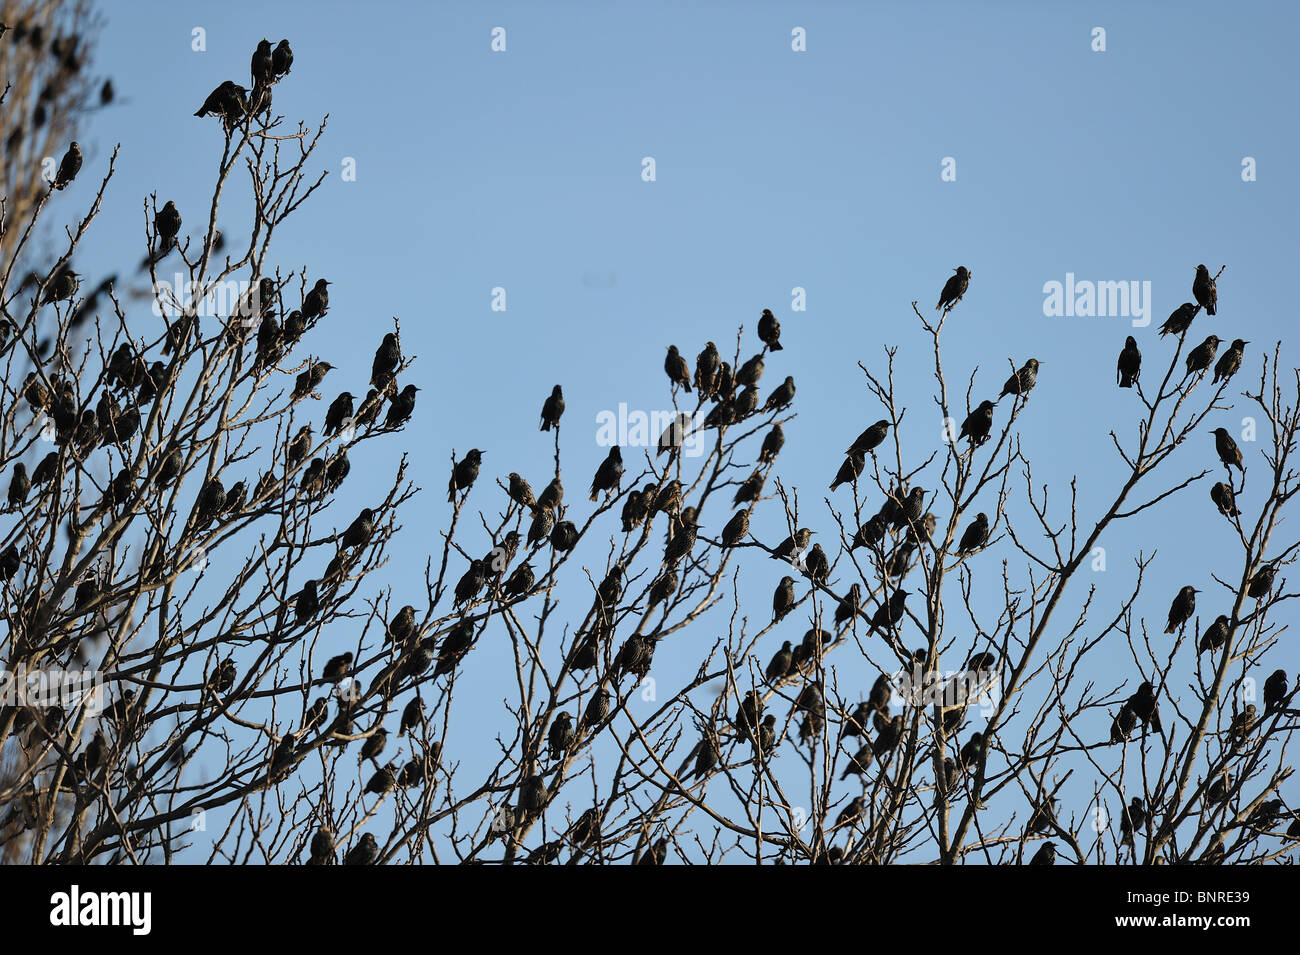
(281, 60)
(316, 302)
(309, 380)
(1262, 582)
(676, 368)
(1215, 635)
(1204, 290)
(336, 668)
(773, 441)
(1046, 855)
(1145, 707)
(1202, 356)
(888, 614)
(553, 409)
(1275, 688)
(708, 365)
(850, 470)
(769, 330)
(779, 666)
(561, 734)
(1181, 610)
(750, 372)
(68, 168)
(1229, 453)
(1224, 499)
(609, 474)
(978, 424)
(19, 486)
(954, 288)
(359, 531)
(1179, 320)
(1022, 382)
(781, 397)
(1129, 366)
(388, 356)
(976, 535)
(339, 413)
(401, 408)
(870, 439)
(1229, 362)
(465, 473)
(783, 599)
(229, 101)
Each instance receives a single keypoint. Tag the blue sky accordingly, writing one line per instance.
(775, 169)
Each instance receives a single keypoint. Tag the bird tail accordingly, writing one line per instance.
(776, 346)
(199, 112)
(546, 425)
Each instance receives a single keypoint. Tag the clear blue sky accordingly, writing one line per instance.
(775, 169)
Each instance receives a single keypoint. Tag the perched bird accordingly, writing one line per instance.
(1023, 381)
(769, 330)
(673, 435)
(676, 368)
(665, 586)
(976, 535)
(229, 101)
(465, 473)
(281, 60)
(551, 497)
(1145, 707)
(849, 606)
(911, 510)
(520, 491)
(1046, 855)
(365, 852)
(317, 301)
(888, 614)
(750, 372)
(1204, 290)
(1275, 688)
(970, 753)
(869, 534)
(298, 448)
(781, 397)
(543, 524)
(564, 536)
(1229, 362)
(1179, 320)
(401, 408)
(308, 602)
(68, 168)
(309, 380)
(870, 439)
(1121, 727)
(374, 744)
(1224, 500)
(1181, 610)
(656, 854)
(708, 365)
(636, 507)
(1129, 366)
(681, 543)
(793, 547)
(388, 356)
(167, 223)
(978, 424)
(1242, 724)
(61, 287)
(748, 715)
(597, 709)
(954, 288)
(783, 599)
(705, 755)
(471, 582)
(210, 503)
(736, 530)
(1215, 635)
(609, 474)
(359, 531)
(859, 762)
(816, 565)
(773, 441)
(766, 741)
(262, 69)
(746, 402)
(553, 409)
(336, 668)
(779, 666)
(20, 485)
(561, 734)
(339, 413)
(750, 488)
(1229, 453)
(1260, 584)
(850, 470)
(888, 735)
(401, 628)
(1202, 356)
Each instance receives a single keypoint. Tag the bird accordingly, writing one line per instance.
(816, 564)
(401, 408)
(792, 548)
(359, 531)
(167, 223)
(561, 734)
(1046, 855)
(543, 524)
(209, 504)
(665, 586)
(750, 372)
(869, 534)
(551, 497)
(464, 473)
(401, 627)
(564, 536)
(1275, 688)
(889, 613)
(339, 413)
(229, 101)
(1179, 320)
(769, 330)
(1129, 366)
(520, 491)
(262, 67)
(298, 448)
(1121, 727)
(708, 365)
(676, 368)
(1181, 610)
(850, 606)
(1229, 453)
(680, 544)
(337, 469)
(750, 488)
(870, 439)
(1145, 707)
(779, 665)
(609, 474)
(954, 288)
(746, 402)
(365, 852)
(317, 301)
(748, 714)
(978, 424)
(736, 530)
(281, 60)
(309, 380)
(388, 356)
(783, 599)
(1202, 356)
(859, 762)
(1215, 635)
(1260, 584)
(597, 709)
(705, 755)
(471, 582)
(553, 409)
(1224, 500)
(889, 732)
(68, 168)
(976, 535)
(850, 470)
(1204, 290)
(635, 508)
(61, 286)
(374, 745)
(1242, 724)
(781, 397)
(19, 486)
(337, 667)
(1023, 381)
(1229, 362)
(308, 602)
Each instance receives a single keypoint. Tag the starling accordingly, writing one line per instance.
(855, 724)
(912, 509)
(1046, 855)
(313, 478)
(229, 101)
(543, 524)
(316, 302)
(1204, 291)
(359, 531)
(976, 535)
(773, 441)
(560, 736)
(750, 488)
(337, 469)
(465, 473)
(954, 288)
(870, 439)
(665, 586)
(888, 735)
(339, 413)
(553, 409)
(1129, 366)
(769, 330)
(722, 415)
(1121, 727)
(210, 502)
(781, 397)
(793, 547)
(1215, 635)
(309, 380)
(673, 435)
(521, 492)
(585, 653)
(387, 357)
(1145, 707)
(766, 741)
(1223, 499)
(1023, 381)
(970, 753)
(783, 599)
(454, 646)
(168, 467)
(609, 474)
(61, 287)
(750, 372)
(37, 395)
(736, 530)
(471, 583)
(779, 666)
(263, 69)
(223, 677)
(20, 485)
(10, 561)
(551, 496)
(1260, 584)
(1179, 320)
(1202, 356)
(677, 370)
(978, 424)
(597, 709)
(707, 367)
(888, 614)
(816, 565)
(869, 534)
(68, 168)
(860, 762)
(399, 411)
(1230, 362)
(635, 656)
(680, 544)
(748, 714)
(374, 744)
(281, 60)
(1181, 610)
(1242, 724)
(336, 668)
(1229, 453)
(850, 606)
(655, 854)
(705, 755)
(167, 223)
(564, 536)
(308, 602)
(850, 470)
(298, 448)
(1275, 688)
